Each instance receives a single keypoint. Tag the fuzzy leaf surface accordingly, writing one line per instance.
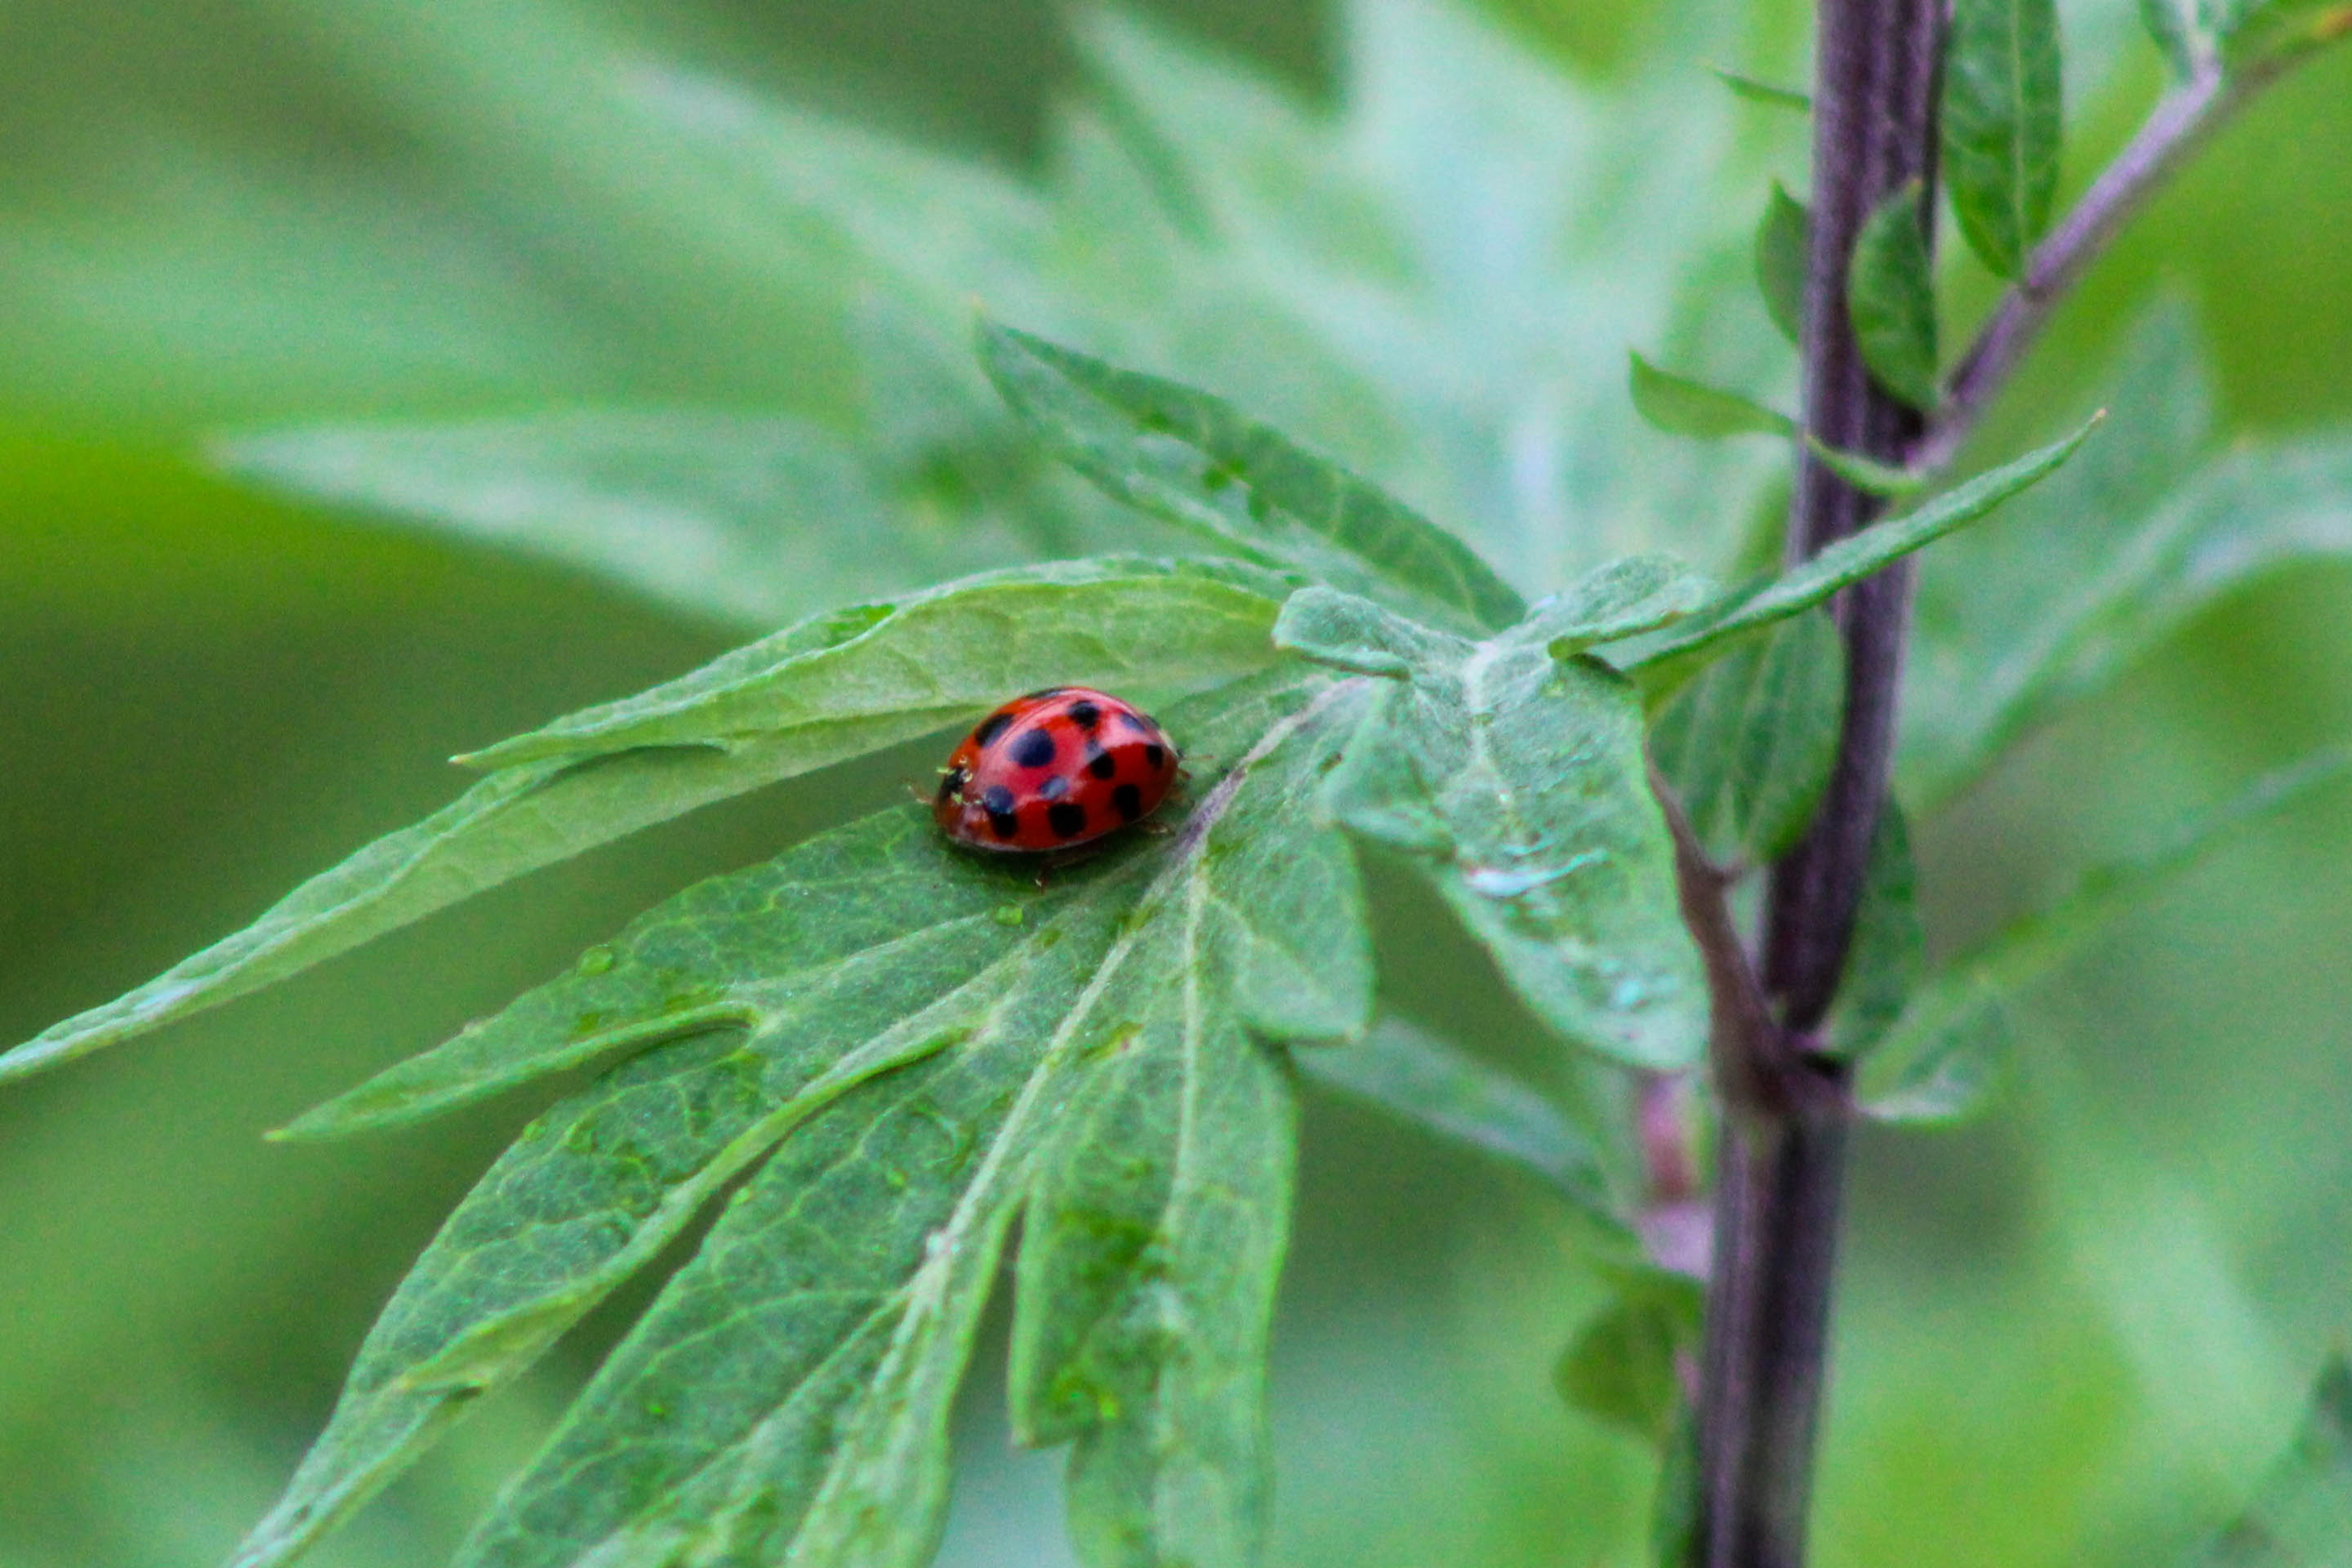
(833, 686)
(1518, 783)
(1194, 460)
(2002, 122)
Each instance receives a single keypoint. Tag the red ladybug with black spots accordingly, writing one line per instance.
(1052, 769)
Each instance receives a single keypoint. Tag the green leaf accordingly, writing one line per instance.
(1618, 599)
(2050, 603)
(1621, 1367)
(745, 520)
(1681, 407)
(1433, 1083)
(1868, 474)
(924, 1069)
(1891, 300)
(1357, 635)
(1763, 92)
(1746, 610)
(933, 657)
(1748, 746)
(1939, 1059)
(1888, 951)
(1784, 245)
(2002, 123)
(1518, 783)
(834, 686)
(2301, 1517)
(1192, 460)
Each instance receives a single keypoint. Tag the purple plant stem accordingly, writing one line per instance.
(1781, 1154)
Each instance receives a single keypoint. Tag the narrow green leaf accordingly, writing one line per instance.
(834, 686)
(1868, 474)
(1430, 1081)
(1748, 746)
(1520, 783)
(1891, 300)
(1763, 92)
(2002, 122)
(938, 656)
(1620, 1368)
(2301, 1516)
(1938, 1061)
(1889, 949)
(1681, 407)
(1191, 459)
(1849, 561)
(1784, 245)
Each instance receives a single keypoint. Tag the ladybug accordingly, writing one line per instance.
(1052, 769)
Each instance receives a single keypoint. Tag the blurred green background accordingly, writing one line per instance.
(2069, 1334)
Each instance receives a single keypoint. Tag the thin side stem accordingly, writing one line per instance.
(2173, 131)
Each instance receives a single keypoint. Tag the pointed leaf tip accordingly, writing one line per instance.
(1680, 406)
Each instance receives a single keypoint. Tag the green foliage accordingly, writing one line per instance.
(2302, 1515)
(2003, 121)
(1891, 299)
(837, 686)
(1941, 1057)
(900, 1056)
(1742, 612)
(2052, 603)
(1681, 407)
(1783, 252)
(1193, 461)
(1748, 746)
(1435, 1084)
(1516, 783)
(1621, 1367)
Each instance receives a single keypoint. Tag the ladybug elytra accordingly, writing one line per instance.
(1052, 769)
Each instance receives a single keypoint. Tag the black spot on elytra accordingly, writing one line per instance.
(1085, 715)
(998, 802)
(1101, 763)
(992, 726)
(1127, 800)
(1054, 788)
(1067, 817)
(1155, 755)
(950, 786)
(1034, 749)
